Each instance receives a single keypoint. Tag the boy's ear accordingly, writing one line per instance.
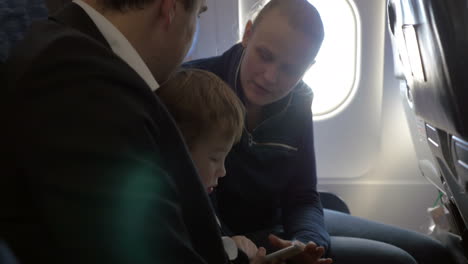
(167, 11)
(247, 33)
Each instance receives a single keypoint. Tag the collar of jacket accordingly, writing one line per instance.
(74, 16)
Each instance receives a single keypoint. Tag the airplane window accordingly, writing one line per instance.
(333, 77)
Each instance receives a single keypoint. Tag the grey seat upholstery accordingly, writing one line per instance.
(6, 256)
(430, 40)
(15, 19)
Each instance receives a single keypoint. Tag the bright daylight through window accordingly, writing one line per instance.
(333, 77)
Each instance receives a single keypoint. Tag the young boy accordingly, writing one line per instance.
(211, 119)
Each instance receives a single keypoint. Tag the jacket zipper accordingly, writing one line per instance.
(253, 142)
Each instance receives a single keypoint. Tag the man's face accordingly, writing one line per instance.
(276, 57)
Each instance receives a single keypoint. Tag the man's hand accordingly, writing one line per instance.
(312, 254)
(246, 245)
(259, 257)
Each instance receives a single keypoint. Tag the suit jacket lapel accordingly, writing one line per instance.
(74, 16)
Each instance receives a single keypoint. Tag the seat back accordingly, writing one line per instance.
(6, 256)
(16, 17)
(430, 39)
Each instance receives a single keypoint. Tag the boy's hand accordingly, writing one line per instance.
(311, 255)
(246, 245)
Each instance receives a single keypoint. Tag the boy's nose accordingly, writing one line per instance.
(222, 172)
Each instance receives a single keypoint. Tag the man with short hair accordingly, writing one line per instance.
(96, 170)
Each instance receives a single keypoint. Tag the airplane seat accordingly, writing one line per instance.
(6, 256)
(2, 69)
(430, 40)
(333, 202)
(16, 17)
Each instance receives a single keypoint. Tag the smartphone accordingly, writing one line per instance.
(286, 252)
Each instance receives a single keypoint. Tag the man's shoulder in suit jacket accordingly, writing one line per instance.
(96, 169)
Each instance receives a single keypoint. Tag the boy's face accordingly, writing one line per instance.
(209, 154)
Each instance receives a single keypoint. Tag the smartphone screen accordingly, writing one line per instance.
(286, 253)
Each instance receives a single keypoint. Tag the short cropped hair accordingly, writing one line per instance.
(123, 5)
(301, 15)
(202, 104)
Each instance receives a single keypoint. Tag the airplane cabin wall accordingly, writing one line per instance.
(364, 153)
(385, 183)
(217, 29)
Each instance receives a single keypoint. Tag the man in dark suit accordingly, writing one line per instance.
(96, 171)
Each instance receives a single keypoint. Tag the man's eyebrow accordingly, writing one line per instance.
(203, 9)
